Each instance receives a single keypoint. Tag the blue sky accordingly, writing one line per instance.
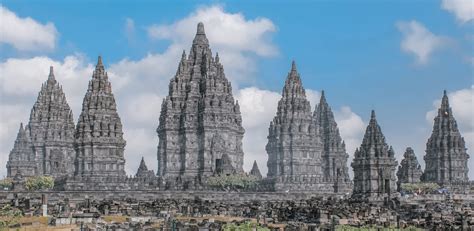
(392, 56)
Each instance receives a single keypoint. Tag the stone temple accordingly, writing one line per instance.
(200, 127)
(374, 165)
(99, 137)
(48, 139)
(409, 170)
(334, 156)
(200, 135)
(446, 157)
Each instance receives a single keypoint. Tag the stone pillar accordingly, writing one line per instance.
(44, 206)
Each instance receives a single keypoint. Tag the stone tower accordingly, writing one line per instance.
(21, 160)
(334, 156)
(143, 171)
(446, 157)
(255, 171)
(409, 170)
(200, 121)
(51, 129)
(294, 145)
(374, 165)
(99, 137)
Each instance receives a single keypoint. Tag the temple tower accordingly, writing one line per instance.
(99, 136)
(374, 165)
(22, 161)
(294, 146)
(200, 123)
(334, 156)
(51, 129)
(446, 154)
(409, 170)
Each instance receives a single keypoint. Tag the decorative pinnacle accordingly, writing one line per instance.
(445, 102)
(51, 72)
(323, 98)
(99, 61)
(372, 115)
(293, 65)
(200, 29)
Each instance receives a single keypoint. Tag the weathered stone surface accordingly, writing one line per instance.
(143, 171)
(374, 165)
(21, 161)
(409, 170)
(294, 144)
(50, 133)
(446, 157)
(200, 121)
(255, 171)
(334, 156)
(99, 137)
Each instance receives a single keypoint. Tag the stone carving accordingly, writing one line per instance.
(255, 171)
(374, 165)
(334, 156)
(294, 145)
(446, 157)
(200, 122)
(51, 131)
(21, 161)
(99, 137)
(409, 170)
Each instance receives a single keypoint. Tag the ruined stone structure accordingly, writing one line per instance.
(49, 134)
(409, 170)
(200, 125)
(334, 156)
(374, 165)
(446, 157)
(22, 161)
(143, 171)
(99, 137)
(255, 171)
(294, 145)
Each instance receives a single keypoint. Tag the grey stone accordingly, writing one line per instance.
(409, 170)
(446, 156)
(21, 161)
(374, 165)
(200, 121)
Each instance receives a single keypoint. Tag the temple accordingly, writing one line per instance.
(446, 157)
(374, 165)
(200, 127)
(409, 170)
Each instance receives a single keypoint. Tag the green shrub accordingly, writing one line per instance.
(423, 187)
(6, 183)
(235, 181)
(39, 183)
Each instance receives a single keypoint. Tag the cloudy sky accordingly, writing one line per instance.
(395, 57)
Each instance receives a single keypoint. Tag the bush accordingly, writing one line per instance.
(39, 183)
(422, 187)
(9, 216)
(6, 183)
(235, 181)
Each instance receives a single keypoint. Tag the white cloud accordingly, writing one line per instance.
(236, 38)
(461, 102)
(26, 34)
(419, 41)
(462, 9)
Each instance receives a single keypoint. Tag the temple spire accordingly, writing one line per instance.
(51, 73)
(255, 170)
(200, 38)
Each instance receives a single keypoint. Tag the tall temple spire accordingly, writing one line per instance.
(446, 156)
(143, 171)
(99, 136)
(294, 145)
(200, 123)
(374, 165)
(51, 130)
(334, 156)
(22, 158)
